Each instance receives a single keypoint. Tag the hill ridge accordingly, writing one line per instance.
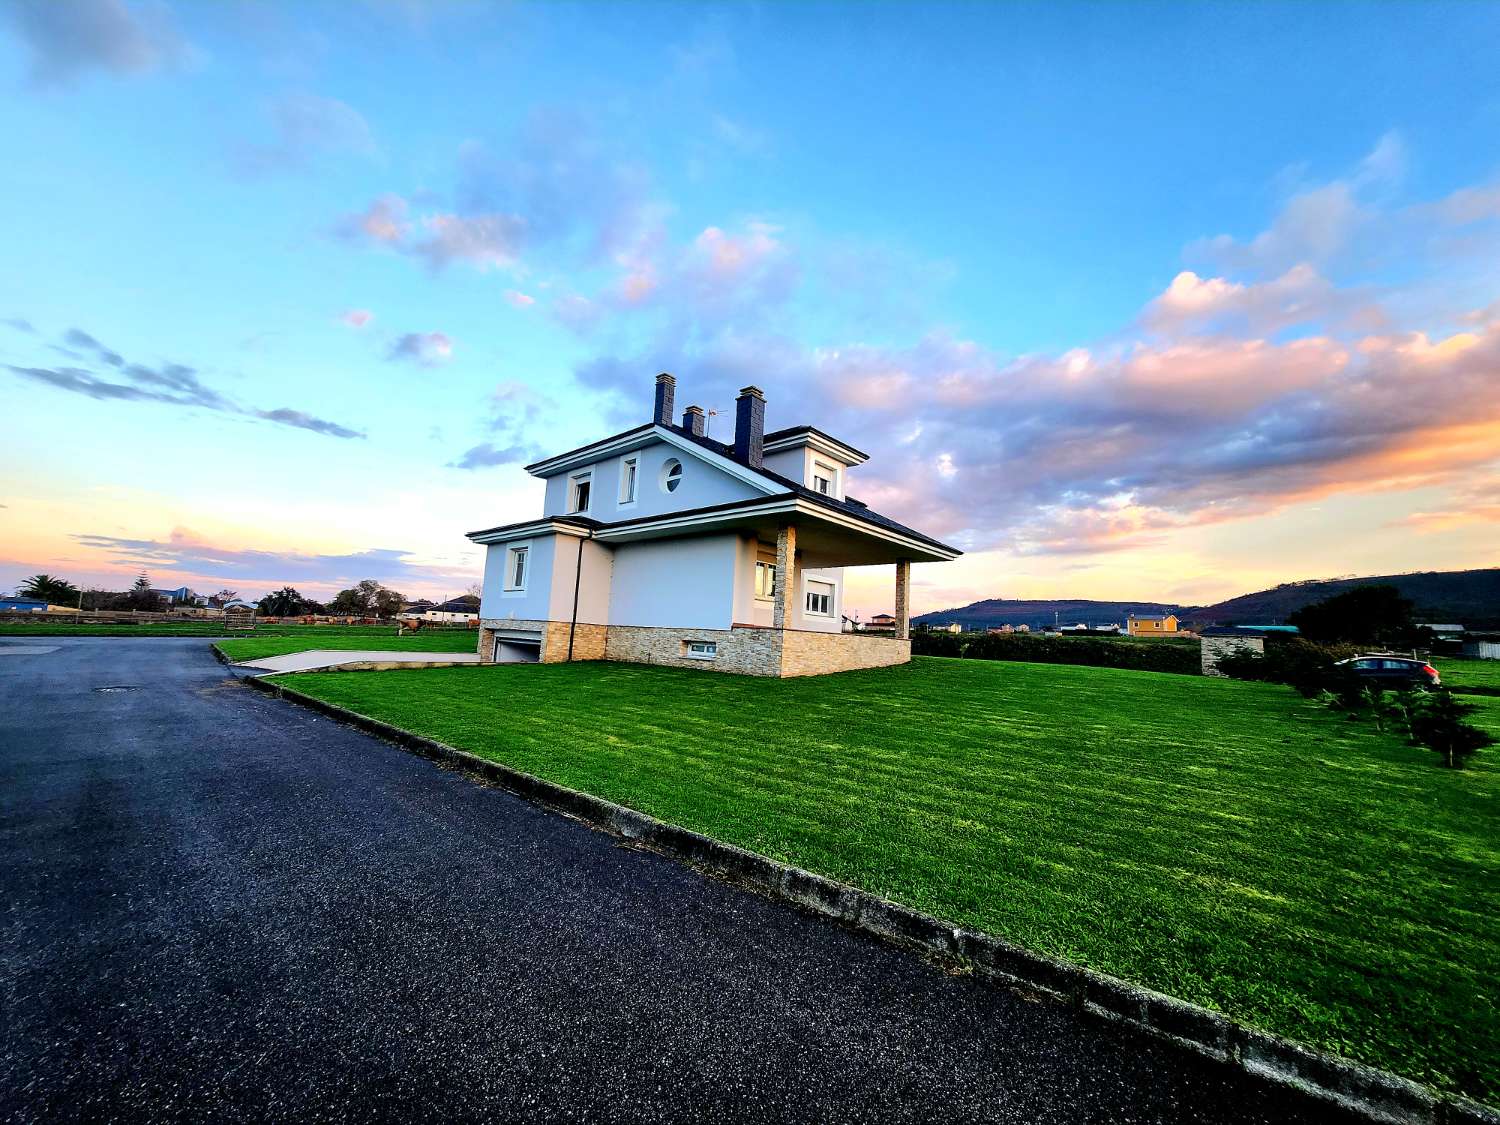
(1468, 597)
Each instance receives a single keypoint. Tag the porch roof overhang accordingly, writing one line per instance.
(552, 525)
(827, 535)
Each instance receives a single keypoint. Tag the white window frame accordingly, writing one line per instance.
(808, 594)
(574, 480)
(665, 478)
(700, 650)
(769, 569)
(827, 472)
(517, 552)
(630, 479)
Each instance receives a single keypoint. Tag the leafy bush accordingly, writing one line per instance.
(1437, 722)
(1095, 652)
(1366, 615)
(936, 644)
(1308, 667)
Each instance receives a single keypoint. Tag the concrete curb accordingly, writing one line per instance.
(1376, 1095)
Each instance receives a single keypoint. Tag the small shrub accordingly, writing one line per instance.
(1438, 724)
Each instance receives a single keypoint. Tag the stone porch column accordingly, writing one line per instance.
(903, 600)
(782, 613)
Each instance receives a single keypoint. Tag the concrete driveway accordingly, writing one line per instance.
(335, 658)
(217, 905)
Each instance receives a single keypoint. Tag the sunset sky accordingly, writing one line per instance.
(1128, 301)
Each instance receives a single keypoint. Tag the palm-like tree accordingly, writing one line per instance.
(49, 588)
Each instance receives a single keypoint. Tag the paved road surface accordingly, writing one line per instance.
(217, 905)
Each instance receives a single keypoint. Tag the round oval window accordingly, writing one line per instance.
(671, 475)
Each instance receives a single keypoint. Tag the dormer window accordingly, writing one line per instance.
(823, 478)
(579, 487)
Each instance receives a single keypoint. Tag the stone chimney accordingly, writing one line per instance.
(749, 426)
(666, 388)
(692, 420)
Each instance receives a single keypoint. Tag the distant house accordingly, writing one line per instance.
(1001, 629)
(463, 609)
(176, 596)
(22, 605)
(1153, 625)
(1444, 631)
(1482, 646)
(881, 621)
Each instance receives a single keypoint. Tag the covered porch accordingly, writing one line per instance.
(813, 540)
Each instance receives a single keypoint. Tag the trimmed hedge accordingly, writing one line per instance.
(1093, 652)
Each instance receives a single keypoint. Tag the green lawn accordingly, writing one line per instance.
(1487, 717)
(1225, 842)
(1470, 675)
(253, 648)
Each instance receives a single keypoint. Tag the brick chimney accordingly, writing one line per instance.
(749, 426)
(692, 420)
(666, 388)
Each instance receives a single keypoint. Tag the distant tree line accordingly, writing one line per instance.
(367, 598)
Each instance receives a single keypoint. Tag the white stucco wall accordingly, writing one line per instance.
(702, 485)
(593, 580)
(535, 602)
(676, 583)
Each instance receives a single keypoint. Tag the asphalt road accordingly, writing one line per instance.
(218, 905)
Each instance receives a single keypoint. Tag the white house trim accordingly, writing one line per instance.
(820, 444)
(528, 530)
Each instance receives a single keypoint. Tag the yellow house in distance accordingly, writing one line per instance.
(1153, 625)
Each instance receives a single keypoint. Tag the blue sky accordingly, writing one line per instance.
(1107, 290)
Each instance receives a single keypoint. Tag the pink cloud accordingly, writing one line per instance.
(357, 318)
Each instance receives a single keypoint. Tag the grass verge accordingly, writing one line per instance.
(1224, 842)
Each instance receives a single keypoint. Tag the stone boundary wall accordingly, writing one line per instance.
(1372, 1094)
(748, 652)
(1215, 649)
(745, 650)
(806, 653)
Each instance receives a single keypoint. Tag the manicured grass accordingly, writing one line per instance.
(253, 648)
(1487, 717)
(1465, 676)
(1225, 842)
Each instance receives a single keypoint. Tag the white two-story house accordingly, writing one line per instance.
(664, 546)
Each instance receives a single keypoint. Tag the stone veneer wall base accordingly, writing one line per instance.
(746, 650)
